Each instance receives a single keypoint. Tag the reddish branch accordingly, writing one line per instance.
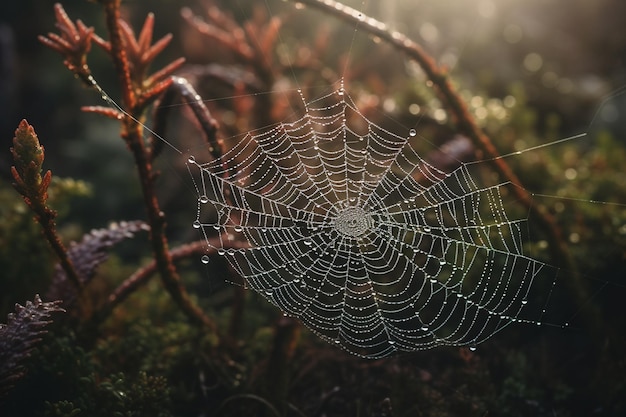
(143, 275)
(74, 43)
(132, 132)
(118, 53)
(209, 126)
(251, 44)
(181, 88)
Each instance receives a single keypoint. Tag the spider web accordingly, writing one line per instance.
(353, 231)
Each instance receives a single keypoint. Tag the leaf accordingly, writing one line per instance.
(74, 42)
(88, 254)
(19, 336)
(28, 156)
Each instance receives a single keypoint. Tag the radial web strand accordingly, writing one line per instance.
(364, 240)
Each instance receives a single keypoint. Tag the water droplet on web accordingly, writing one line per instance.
(191, 159)
(427, 229)
(269, 292)
(424, 327)
(308, 242)
(340, 92)
(442, 261)
(216, 226)
(205, 259)
(412, 132)
(238, 228)
(197, 224)
(472, 348)
(524, 302)
(204, 199)
(221, 251)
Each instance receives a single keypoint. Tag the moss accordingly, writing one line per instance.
(20, 244)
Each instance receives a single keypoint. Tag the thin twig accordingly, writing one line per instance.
(208, 124)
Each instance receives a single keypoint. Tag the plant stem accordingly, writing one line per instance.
(132, 133)
(46, 219)
(286, 336)
(143, 275)
(180, 87)
(118, 54)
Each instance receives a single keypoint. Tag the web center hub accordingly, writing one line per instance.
(353, 222)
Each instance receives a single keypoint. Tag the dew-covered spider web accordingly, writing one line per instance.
(352, 230)
(362, 233)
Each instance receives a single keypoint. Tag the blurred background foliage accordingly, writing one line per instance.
(532, 71)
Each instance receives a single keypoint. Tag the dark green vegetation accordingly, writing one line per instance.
(141, 338)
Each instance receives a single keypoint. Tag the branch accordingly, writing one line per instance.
(143, 275)
(209, 126)
(132, 132)
(73, 43)
(87, 255)
(118, 52)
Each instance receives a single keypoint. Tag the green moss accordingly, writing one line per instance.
(20, 243)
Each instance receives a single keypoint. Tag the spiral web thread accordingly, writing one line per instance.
(356, 234)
